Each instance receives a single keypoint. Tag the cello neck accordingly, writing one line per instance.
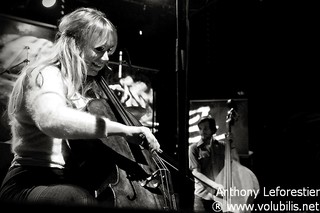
(126, 117)
(227, 155)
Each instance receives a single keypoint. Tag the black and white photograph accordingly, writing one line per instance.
(159, 106)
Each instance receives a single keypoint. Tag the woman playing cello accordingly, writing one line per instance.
(45, 110)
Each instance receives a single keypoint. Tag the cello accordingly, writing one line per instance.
(135, 178)
(234, 177)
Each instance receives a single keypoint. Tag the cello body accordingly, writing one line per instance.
(243, 188)
(125, 185)
(121, 174)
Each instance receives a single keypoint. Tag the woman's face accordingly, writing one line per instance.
(96, 57)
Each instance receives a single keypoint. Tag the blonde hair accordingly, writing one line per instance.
(76, 31)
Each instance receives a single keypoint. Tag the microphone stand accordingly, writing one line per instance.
(182, 104)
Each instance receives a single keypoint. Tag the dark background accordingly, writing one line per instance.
(264, 50)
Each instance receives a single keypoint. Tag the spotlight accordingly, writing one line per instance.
(48, 3)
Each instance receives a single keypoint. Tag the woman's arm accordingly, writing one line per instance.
(47, 104)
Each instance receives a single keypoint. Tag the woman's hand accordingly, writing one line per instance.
(141, 133)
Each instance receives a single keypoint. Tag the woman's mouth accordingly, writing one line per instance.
(97, 66)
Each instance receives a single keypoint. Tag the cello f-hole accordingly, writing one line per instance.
(134, 196)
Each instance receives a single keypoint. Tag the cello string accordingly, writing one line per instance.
(165, 176)
(104, 85)
(228, 159)
(102, 82)
(172, 166)
(161, 178)
(165, 169)
(168, 183)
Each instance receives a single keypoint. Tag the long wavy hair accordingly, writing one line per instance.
(76, 30)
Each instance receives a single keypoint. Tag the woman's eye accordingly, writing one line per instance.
(100, 49)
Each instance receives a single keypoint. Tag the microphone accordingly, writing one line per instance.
(120, 65)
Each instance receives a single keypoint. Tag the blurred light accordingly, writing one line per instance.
(240, 93)
(140, 32)
(48, 3)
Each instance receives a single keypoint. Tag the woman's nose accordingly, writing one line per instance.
(105, 56)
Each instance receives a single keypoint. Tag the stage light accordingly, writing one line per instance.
(48, 3)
